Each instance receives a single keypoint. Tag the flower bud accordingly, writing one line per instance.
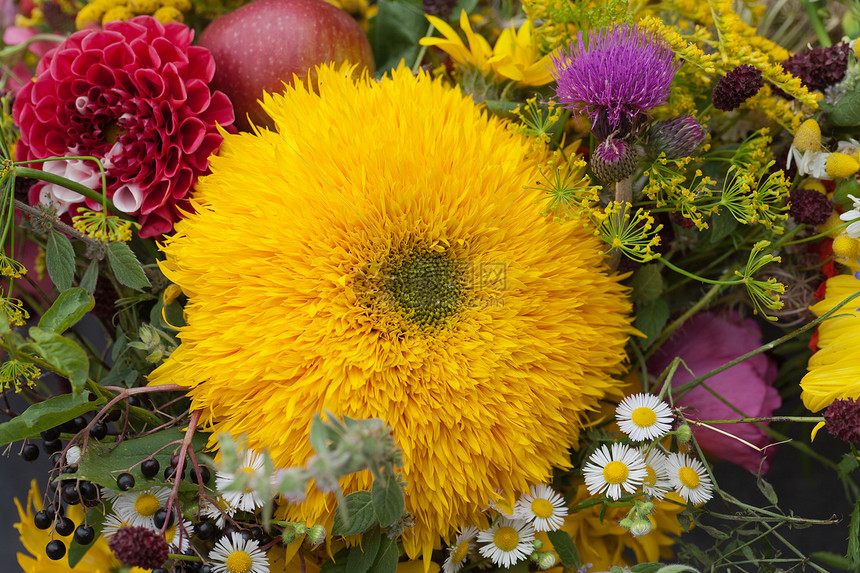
(736, 87)
(614, 160)
(316, 534)
(640, 528)
(289, 534)
(678, 137)
(685, 433)
(546, 561)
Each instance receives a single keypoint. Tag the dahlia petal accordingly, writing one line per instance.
(198, 96)
(101, 75)
(128, 197)
(191, 131)
(151, 83)
(201, 64)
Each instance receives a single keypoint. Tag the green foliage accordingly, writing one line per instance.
(651, 318)
(125, 266)
(355, 514)
(399, 24)
(60, 260)
(64, 355)
(46, 415)
(565, 548)
(388, 500)
(69, 308)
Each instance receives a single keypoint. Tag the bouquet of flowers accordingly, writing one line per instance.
(391, 286)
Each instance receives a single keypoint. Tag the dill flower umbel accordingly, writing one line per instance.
(622, 73)
(408, 286)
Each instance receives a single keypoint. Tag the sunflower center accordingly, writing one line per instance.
(146, 504)
(542, 508)
(506, 538)
(650, 477)
(644, 417)
(238, 562)
(460, 552)
(428, 288)
(615, 472)
(689, 477)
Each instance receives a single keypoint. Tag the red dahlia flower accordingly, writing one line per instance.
(136, 96)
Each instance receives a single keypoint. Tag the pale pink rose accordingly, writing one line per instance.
(706, 342)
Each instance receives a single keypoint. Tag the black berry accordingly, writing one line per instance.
(88, 491)
(160, 516)
(84, 535)
(169, 471)
(114, 415)
(174, 460)
(51, 434)
(79, 423)
(205, 530)
(55, 549)
(30, 452)
(42, 520)
(149, 468)
(159, 570)
(98, 431)
(65, 526)
(52, 446)
(204, 474)
(125, 481)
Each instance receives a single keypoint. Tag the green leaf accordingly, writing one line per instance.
(100, 464)
(386, 560)
(565, 548)
(502, 108)
(854, 536)
(722, 225)
(651, 319)
(65, 355)
(676, 569)
(388, 499)
(846, 112)
(318, 436)
(4, 323)
(847, 465)
(94, 519)
(60, 260)
(832, 560)
(336, 564)
(767, 490)
(355, 515)
(45, 415)
(70, 307)
(647, 283)
(91, 277)
(125, 266)
(399, 26)
(173, 313)
(713, 531)
(362, 557)
(646, 568)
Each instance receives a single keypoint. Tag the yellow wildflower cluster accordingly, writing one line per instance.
(752, 199)
(99, 225)
(692, 10)
(536, 120)
(632, 234)
(667, 185)
(15, 375)
(104, 11)
(14, 311)
(562, 19)
(11, 268)
(776, 109)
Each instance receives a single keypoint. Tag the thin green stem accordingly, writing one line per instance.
(814, 419)
(423, 50)
(72, 186)
(698, 278)
(817, 25)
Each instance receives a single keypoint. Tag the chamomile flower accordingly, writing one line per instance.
(238, 555)
(111, 525)
(689, 478)
(462, 548)
(138, 508)
(543, 506)
(656, 482)
(643, 417)
(611, 470)
(217, 512)
(508, 541)
(178, 538)
(246, 499)
(853, 230)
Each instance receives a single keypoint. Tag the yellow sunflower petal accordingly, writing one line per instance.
(444, 304)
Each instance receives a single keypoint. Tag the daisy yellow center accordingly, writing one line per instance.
(650, 476)
(460, 552)
(644, 417)
(689, 477)
(542, 508)
(506, 538)
(238, 562)
(615, 472)
(146, 505)
(250, 472)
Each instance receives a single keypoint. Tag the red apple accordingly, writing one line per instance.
(262, 44)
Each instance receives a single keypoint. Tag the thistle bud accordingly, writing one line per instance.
(614, 160)
(685, 433)
(677, 137)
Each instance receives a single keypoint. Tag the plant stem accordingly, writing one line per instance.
(817, 24)
(70, 185)
(815, 419)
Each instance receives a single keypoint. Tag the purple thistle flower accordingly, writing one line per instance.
(625, 71)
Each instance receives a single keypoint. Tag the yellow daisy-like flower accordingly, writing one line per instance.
(834, 370)
(393, 267)
(98, 559)
(515, 55)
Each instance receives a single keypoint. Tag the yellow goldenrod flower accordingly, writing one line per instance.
(167, 14)
(117, 13)
(484, 339)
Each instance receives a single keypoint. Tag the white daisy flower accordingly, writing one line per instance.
(246, 499)
(689, 478)
(508, 541)
(111, 525)
(543, 506)
(612, 470)
(463, 547)
(108, 494)
(238, 555)
(853, 230)
(137, 508)
(216, 512)
(656, 482)
(643, 417)
(178, 539)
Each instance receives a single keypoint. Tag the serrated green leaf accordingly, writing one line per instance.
(767, 491)
(646, 568)
(65, 355)
(337, 564)
(854, 536)
(60, 260)
(94, 519)
(388, 499)
(399, 26)
(91, 277)
(846, 112)
(847, 465)
(386, 559)
(100, 464)
(125, 266)
(70, 307)
(45, 415)
(355, 515)
(651, 318)
(565, 548)
(647, 283)
(362, 557)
